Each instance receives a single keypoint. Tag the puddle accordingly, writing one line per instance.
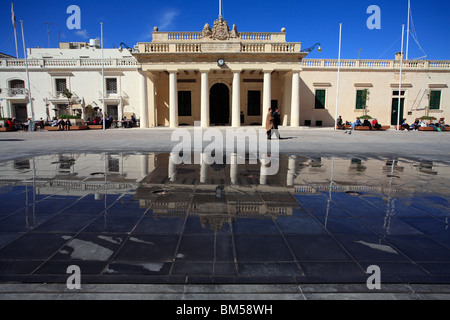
(318, 219)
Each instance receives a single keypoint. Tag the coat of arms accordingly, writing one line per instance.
(220, 31)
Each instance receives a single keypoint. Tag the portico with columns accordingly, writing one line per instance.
(218, 77)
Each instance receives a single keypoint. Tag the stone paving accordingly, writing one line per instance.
(318, 141)
(410, 146)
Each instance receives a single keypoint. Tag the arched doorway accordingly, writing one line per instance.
(219, 104)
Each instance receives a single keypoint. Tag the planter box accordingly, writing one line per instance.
(362, 128)
(82, 127)
(95, 127)
(3, 129)
(48, 128)
(426, 129)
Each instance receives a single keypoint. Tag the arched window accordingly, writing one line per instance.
(17, 87)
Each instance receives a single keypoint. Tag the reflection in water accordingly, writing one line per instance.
(143, 211)
(220, 191)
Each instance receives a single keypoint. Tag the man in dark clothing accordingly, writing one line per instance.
(276, 121)
(367, 123)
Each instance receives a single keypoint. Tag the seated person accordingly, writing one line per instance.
(405, 125)
(340, 123)
(432, 125)
(357, 123)
(68, 124)
(367, 123)
(54, 122)
(133, 121)
(375, 124)
(9, 123)
(415, 125)
(61, 124)
(441, 124)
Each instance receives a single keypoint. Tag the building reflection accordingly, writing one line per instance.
(219, 193)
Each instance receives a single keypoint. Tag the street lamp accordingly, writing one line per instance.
(319, 49)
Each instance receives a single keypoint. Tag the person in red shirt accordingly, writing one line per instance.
(375, 124)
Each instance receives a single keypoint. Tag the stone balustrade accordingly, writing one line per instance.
(14, 92)
(209, 46)
(68, 63)
(197, 36)
(374, 64)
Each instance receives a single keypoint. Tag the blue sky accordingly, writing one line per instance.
(308, 22)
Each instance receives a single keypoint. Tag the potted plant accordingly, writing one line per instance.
(66, 93)
(428, 118)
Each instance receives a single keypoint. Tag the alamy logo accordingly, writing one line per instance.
(235, 141)
(374, 281)
(74, 21)
(374, 21)
(74, 281)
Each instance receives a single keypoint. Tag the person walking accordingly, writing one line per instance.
(276, 121)
(269, 123)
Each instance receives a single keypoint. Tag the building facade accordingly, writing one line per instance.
(78, 71)
(222, 77)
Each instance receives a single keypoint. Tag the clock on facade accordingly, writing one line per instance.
(221, 62)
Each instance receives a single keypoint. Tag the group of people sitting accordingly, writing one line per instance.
(63, 125)
(373, 125)
(11, 123)
(438, 126)
(99, 121)
(17, 125)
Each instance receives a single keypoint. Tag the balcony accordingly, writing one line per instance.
(112, 95)
(14, 93)
(57, 97)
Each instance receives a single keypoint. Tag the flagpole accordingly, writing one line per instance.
(13, 17)
(103, 81)
(407, 29)
(400, 81)
(28, 74)
(338, 77)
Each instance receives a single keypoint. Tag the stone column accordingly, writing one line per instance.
(234, 168)
(203, 169)
(267, 95)
(120, 109)
(236, 100)
(173, 99)
(295, 100)
(204, 104)
(6, 108)
(144, 102)
(291, 171)
(151, 89)
(172, 169)
(144, 165)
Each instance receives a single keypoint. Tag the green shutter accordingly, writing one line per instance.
(435, 100)
(320, 99)
(360, 100)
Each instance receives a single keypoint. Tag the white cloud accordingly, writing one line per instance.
(164, 20)
(167, 19)
(82, 33)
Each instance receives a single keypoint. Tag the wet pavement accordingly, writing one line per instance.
(139, 219)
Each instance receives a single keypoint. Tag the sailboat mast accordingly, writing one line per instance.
(407, 29)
